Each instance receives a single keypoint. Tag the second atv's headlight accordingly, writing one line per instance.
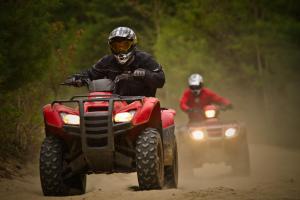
(231, 132)
(210, 113)
(197, 135)
(124, 116)
(70, 119)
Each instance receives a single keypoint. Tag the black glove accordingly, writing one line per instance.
(139, 73)
(74, 81)
(124, 76)
(189, 110)
(195, 110)
(227, 107)
(78, 82)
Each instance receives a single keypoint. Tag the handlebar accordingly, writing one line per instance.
(127, 75)
(213, 107)
(195, 111)
(78, 80)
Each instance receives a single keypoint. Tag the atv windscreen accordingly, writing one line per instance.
(101, 85)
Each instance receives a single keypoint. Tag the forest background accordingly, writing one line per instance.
(247, 51)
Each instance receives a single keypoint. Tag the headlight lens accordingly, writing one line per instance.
(231, 132)
(210, 113)
(70, 119)
(197, 135)
(124, 116)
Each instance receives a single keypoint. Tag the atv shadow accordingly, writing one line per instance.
(134, 188)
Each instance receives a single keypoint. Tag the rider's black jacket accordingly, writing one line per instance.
(108, 67)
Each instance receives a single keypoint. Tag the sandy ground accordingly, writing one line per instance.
(275, 175)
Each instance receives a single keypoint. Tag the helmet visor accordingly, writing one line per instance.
(121, 46)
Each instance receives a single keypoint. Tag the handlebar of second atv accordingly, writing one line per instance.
(215, 107)
(225, 108)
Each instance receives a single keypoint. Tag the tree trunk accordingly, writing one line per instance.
(260, 62)
(157, 14)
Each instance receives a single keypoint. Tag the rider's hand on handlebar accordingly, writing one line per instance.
(193, 110)
(227, 107)
(124, 76)
(189, 110)
(78, 82)
(75, 81)
(139, 73)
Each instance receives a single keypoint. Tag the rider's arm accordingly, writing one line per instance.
(214, 98)
(154, 76)
(96, 71)
(184, 100)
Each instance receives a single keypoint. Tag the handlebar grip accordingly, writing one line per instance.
(124, 76)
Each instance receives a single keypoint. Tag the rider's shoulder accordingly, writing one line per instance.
(147, 61)
(206, 90)
(105, 59)
(187, 91)
(104, 62)
(143, 55)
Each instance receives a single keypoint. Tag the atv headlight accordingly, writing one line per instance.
(70, 119)
(210, 113)
(231, 132)
(197, 134)
(124, 116)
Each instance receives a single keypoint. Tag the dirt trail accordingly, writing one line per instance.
(275, 175)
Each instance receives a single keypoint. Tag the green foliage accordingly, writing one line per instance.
(25, 47)
(247, 50)
(101, 21)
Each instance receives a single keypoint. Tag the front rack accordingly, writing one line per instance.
(97, 129)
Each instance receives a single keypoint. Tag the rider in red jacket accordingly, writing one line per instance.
(196, 97)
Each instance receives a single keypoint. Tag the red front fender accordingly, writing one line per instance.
(53, 121)
(167, 117)
(146, 112)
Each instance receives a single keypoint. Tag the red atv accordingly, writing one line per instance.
(213, 140)
(105, 133)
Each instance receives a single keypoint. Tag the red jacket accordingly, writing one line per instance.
(206, 97)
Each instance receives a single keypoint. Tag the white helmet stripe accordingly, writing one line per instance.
(122, 32)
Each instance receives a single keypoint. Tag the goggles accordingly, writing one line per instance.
(195, 87)
(121, 46)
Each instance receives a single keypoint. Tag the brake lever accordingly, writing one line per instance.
(71, 81)
(68, 82)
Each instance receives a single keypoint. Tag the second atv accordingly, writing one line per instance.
(104, 133)
(213, 141)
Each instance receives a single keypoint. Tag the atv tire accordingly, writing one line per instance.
(241, 162)
(171, 172)
(51, 171)
(149, 160)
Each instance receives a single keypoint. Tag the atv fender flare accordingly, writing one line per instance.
(149, 114)
(53, 121)
(51, 116)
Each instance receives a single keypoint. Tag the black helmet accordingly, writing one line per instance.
(122, 42)
(195, 83)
